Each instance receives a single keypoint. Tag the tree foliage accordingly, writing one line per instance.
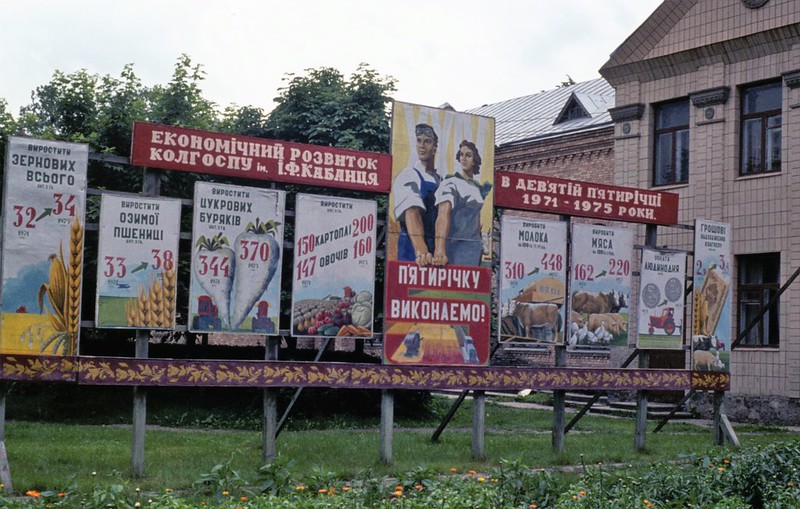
(323, 108)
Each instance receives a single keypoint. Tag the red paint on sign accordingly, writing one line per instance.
(183, 149)
(586, 199)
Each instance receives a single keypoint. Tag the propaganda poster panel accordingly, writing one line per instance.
(711, 322)
(533, 275)
(237, 244)
(44, 203)
(137, 262)
(438, 275)
(661, 300)
(600, 285)
(333, 285)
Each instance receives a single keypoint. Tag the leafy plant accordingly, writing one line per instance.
(222, 478)
(277, 477)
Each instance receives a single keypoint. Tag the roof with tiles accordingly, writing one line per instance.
(544, 115)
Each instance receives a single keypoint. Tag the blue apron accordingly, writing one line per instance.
(405, 249)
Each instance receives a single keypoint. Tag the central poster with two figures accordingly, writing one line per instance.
(439, 250)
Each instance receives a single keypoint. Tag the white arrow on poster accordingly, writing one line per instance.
(334, 267)
(44, 200)
(137, 262)
(237, 249)
(661, 300)
(533, 272)
(600, 285)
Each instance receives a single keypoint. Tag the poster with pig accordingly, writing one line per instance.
(334, 267)
(711, 322)
(41, 268)
(600, 285)
(533, 275)
(662, 283)
(137, 262)
(439, 247)
(237, 243)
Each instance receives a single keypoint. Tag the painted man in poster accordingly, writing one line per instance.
(414, 190)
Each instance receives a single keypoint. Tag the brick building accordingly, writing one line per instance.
(707, 98)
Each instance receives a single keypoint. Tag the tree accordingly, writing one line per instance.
(322, 108)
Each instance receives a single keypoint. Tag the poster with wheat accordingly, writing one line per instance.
(137, 262)
(44, 201)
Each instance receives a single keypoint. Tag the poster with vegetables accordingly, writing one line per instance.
(662, 284)
(44, 200)
(237, 240)
(533, 275)
(600, 285)
(711, 319)
(137, 262)
(334, 267)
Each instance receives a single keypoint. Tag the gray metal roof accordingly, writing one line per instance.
(533, 116)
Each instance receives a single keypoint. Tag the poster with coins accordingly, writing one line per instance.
(661, 300)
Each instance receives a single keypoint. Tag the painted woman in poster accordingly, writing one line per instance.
(460, 199)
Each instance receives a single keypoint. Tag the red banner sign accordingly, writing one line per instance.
(183, 149)
(587, 199)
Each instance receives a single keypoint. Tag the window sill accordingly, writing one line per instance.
(667, 187)
(758, 176)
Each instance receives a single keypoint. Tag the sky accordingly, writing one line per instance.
(464, 52)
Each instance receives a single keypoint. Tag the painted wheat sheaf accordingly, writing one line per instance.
(74, 277)
(154, 305)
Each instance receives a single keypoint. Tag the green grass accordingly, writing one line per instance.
(51, 456)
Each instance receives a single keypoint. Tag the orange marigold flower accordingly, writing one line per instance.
(202, 502)
(243, 499)
(418, 487)
(398, 493)
(398, 487)
(454, 470)
(345, 488)
(62, 495)
(581, 493)
(33, 493)
(322, 490)
(532, 506)
(471, 472)
(726, 461)
(721, 469)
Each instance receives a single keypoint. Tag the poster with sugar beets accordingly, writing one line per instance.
(137, 262)
(711, 317)
(600, 285)
(237, 243)
(334, 267)
(44, 200)
(533, 275)
(661, 296)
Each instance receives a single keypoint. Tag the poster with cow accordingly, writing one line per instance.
(662, 285)
(711, 319)
(333, 284)
(237, 244)
(600, 285)
(137, 262)
(533, 275)
(438, 243)
(41, 265)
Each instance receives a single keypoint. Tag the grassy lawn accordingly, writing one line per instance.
(52, 456)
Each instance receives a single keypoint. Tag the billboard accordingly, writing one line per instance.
(585, 199)
(600, 285)
(185, 149)
(237, 245)
(333, 286)
(137, 262)
(533, 279)
(711, 322)
(662, 286)
(44, 201)
(438, 274)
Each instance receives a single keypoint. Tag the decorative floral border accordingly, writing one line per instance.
(219, 373)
